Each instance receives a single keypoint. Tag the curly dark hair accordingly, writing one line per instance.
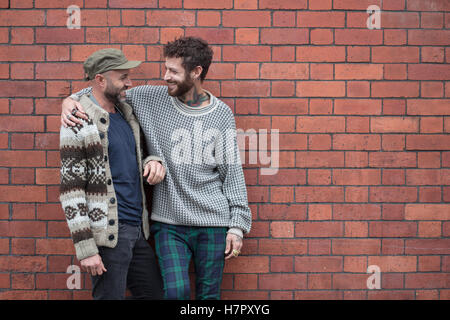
(194, 52)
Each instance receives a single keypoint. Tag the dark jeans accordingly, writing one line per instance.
(131, 264)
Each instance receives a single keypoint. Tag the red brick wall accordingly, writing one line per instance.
(364, 175)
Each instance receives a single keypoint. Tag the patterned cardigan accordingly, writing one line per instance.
(87, 191)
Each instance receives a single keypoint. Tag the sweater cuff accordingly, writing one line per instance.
(85, 249)
(74, 97)
(151, 158)
(236, 231)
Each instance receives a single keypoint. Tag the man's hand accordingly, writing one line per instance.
(155, 172)
(234, 245)
(93, 265)
(71, 111)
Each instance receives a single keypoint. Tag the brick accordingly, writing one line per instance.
(22, 158)
(319, 159)
(395, 89)
(432, 5)
(318, 229)
(22, 53)
(320, 124)
(428, 72)
(432, 89)
(320, 54)
(282, 212)
(356, 211)
(358, 71)
(283, 246)
(285, 281)
(21, 18)
(136, 4)
(281, 194)
(284, 71)
(214, 35)
(245, 89)
(283, 106)
(430, 229)
(394, 124)
(358, 37)
(283, 89)
(321, 89)
(393, 142)
(357, 106)
(205, 4)
(237, 18)
(321, 71)
(427, 280)
(395, 72)
(27, 229)
(427, 246)
(55, 246)
(427, 211)
(134, 35)
(428, 107)
(334, 19)
(22, 194)
(23, 263)
(319, 142)
(356, 176)
(283, 4)
(429, 37)
(284, 19)
(395, 54)
(22, 124)
(246, 53)
(319, 194)
(432, 54)
(59, 35)
(59, 71)
(356, 246)
(356, 142)
(322, 36)
(170, 18)
(319, 264)
(355, 4)
(355, 229)
(247, 36)
(284, 36)
(319, 177)
(252, 264)
(392, 229)
(393, 194)
(427, 142)
(280, 229)
(427, 177)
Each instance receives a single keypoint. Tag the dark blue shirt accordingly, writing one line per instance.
(124, 169)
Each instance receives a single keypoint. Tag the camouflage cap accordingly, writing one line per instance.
(105, 60)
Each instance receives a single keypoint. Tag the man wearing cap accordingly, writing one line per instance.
(101, 191)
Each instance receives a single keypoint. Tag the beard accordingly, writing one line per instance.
(114, 94)
(181, 88)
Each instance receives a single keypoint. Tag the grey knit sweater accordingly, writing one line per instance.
(204, 183)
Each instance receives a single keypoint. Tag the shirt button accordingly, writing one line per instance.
(109, 182)
(103, 120)
(112, 222)
(112, 200)
(106, 158)
(111, 237)
(102, 135)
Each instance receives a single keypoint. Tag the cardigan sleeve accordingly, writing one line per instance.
(73, 182)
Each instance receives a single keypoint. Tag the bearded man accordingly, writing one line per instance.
(101, 188)
(200, 210)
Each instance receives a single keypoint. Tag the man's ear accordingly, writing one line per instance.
(100, 80)
(196, 72)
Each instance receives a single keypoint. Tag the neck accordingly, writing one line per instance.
(196, 97)
(102, 101)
